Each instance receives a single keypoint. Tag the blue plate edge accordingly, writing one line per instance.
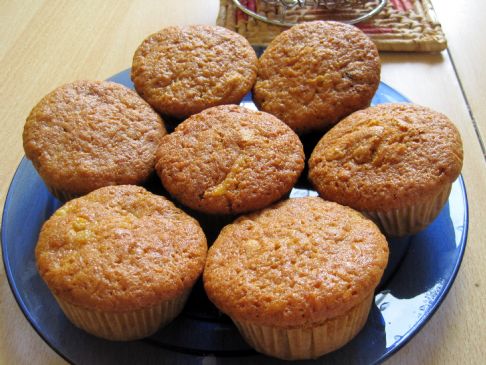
(407, 337)
(8, 269)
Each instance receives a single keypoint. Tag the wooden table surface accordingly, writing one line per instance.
(44, 44)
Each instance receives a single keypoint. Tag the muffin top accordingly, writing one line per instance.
(296, 264)
(120, 248)
(316, 73)
(89, 134)
(182, 70)
(386, 157)
(230, 159)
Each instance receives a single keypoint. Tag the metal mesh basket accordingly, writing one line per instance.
(291, 12)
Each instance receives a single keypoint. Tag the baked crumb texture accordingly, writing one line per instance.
(394, 162)
(229, 159)
(316, 73)
(182, 70)
(89, 134)
(295, 265)
(120, 249)
(387, 157)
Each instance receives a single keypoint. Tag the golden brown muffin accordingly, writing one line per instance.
(229, 159)
(120, 261)
(89, 134)
(316, 73)
(297, 278)
(393, 162)
(182, 70)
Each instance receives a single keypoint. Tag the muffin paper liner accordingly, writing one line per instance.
(124, 326)
(306, 343)
(410, 220)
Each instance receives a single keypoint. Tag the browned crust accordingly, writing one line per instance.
(182, 70)
(295, 264)
(120, 248)
(89, 134)
(316, 73)
(229, 159)
(386, 157)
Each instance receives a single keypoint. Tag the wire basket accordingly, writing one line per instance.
(290, 12)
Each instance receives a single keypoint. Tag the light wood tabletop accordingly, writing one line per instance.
(44, 44)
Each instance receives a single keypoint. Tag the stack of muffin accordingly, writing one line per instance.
(296, 276)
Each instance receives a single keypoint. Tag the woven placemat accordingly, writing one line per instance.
(403, 25)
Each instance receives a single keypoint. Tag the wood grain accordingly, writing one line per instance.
(46, 43)
(465, 27)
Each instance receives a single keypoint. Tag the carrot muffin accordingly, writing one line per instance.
(393, 162)
(182, 70)
(316, 73)
(120, 261)
(89, 134)
(230, 159)
(297, 278)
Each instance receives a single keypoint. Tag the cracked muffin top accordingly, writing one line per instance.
(316, 73)
(229, 159)
(120, 248)
(182, 70)
(386, 157)
(89, 134)
(295, 264)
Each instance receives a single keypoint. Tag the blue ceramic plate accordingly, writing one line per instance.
(421, 271)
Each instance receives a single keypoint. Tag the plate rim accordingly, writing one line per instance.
(419, 325)
(8, 269)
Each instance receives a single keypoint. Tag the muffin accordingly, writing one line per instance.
(89, 134)
(393, 162)
(316, 73)
(182, 70)
(120, 261)
(297, 279)
(229, 159)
